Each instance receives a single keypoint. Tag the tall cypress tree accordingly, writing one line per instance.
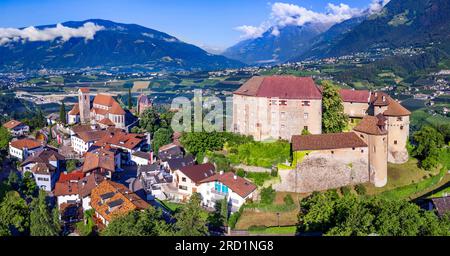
(130, 100)
(62, 114)
(43, 219)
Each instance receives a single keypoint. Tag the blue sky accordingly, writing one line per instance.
(207, 23)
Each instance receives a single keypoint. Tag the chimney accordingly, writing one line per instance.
(235, 177)
(221, 172)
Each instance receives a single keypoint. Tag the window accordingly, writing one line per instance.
(273, 102)
(362, 136)
(305, 128)
(306, 103)
(395, 142)
(305, 116)
(283, 102)
(283, 114)
(182, 187)
(332, 152)
(399, 118)
(283, 126)
(401, 127)
(183, 179)
(374, 149)
(362, 150)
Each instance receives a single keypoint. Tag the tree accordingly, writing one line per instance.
(330, 214)
(429, 142)
(305, 132)
(224, 210)
(150, 120)
(62, 114)
(161, 137)
(42, 217)
(5, 138)
(130, 99)
(14, 213)
(191, 220)
(13, 180)
(28, 185)
(71, 165)
(333, 118)
(138, 223)
(200, 142)
(267, 195)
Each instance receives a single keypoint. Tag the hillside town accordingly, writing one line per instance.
(97, 159)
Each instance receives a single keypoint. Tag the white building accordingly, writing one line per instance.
(17, 128)
(142, 158)
(21, 149)
(234, 189)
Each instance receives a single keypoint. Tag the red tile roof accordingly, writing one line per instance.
(120, 200)
(25, 143)
(198, 172)
(327, 141)
(99, 159)
(285, 87)
(120, 139)
(372, 125)
(66, 188)
(75, 110)
(84, 90)
(71, 176)
(106, 121)
(12, 124)
(238, 185)
(357, 96)
(395, 109)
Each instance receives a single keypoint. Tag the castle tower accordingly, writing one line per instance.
(373, 131)
(380, 103)
(84, 104)
(143, 103)
(398, 132)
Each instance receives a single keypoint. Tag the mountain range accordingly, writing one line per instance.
(401, 23)
(111, 44)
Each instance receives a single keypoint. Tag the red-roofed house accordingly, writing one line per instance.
(23, 148)
(17, 128)
(234, 189)
(277, 107)
(356, 102)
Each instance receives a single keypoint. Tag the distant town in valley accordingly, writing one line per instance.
(347, 135)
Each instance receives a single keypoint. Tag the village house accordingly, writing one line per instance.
(110, 199)
(23, 148)
(73, 117)
(66, 189)
(277, 107)
(176, 163)
(45, 166)
(101, 161)
(85, 187)
(236, 190)
(17, 128)
(187, 179)
(356, 102)
(152, 178)
(82, 141)
(170, 151)
(143, 103)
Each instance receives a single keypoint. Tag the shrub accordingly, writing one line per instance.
(240, 173)
(274, 173)
(235, 217)
(288, 200)
(267, 195)
(360, 189)
(258, 177)
(257, 228)
(345, 191)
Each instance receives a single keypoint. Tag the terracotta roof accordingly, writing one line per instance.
(166, 147)
(84, 90)
(104, 99)
(327, 141)
(92, 135)
(25, 143)
(143, 155)
(107, 121)
(42, 168)
(66, 188)
(75, 110)
(111, 199)
(240, 186)
(99, 159)
(44, 156)
(99, 111)
(285, 87)
(116, 109)
(442, 205)
(12, 124)
(71, 176)
(380, 99)
(117, 138)
(372, 125)
(82, 128)
(88, 183)
(357, 96)
(198, 172)
(395, 109)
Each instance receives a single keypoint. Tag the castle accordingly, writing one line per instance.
(104, 110)
(281, 107)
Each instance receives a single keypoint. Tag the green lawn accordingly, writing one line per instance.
(287, 230)
(171, 206)
(262, 154)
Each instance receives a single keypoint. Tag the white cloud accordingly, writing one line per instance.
(284, 14)
(377, 5)
(87, 31)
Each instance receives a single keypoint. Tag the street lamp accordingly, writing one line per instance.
(278, 218)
